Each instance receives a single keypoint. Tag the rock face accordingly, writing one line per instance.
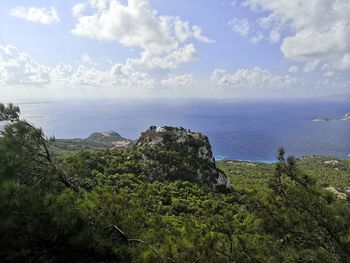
(170, 154)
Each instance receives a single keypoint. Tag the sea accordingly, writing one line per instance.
(249, 130)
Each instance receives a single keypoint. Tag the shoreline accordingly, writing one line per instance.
(326, 157)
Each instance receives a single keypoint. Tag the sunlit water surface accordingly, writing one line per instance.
(249, 130)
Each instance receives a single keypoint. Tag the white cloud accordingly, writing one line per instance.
(178, 81)
(181, 30)
(274, 36)
(197, 33)
(136, 24)
(311, 65)
(90, 76)
(61, 73)
(333, 84)
(293, 69)
(240, 26)
(86, 59)
(78, 9)
(257, 37)
(343, 63)
(118, 76)
(168, 60)
(315, 30)
(329, 74)
(18, 68)
(126, 76)
(42, 15)
(244, 28)
(252, 79)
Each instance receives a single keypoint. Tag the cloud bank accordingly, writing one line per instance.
(252, 79)
(164, 40)
(41, 15)
(314, 32)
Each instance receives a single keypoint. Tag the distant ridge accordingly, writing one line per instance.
(96, 140)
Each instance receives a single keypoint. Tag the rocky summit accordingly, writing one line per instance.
(170, 153)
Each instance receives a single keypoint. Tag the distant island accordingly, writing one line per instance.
(346, 117)
(326, 119)
(322, 119)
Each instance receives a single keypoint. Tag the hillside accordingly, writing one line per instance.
(329, 172)
(97, 140)
(178, 154)
(163, 201)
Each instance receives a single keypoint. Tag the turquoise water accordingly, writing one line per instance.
(246, 130)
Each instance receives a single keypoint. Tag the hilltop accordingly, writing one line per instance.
(96, 140)
(163, 154)
(178, 154)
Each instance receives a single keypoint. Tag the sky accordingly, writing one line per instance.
(174, 48)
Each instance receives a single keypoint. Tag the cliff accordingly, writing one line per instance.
(170, 154)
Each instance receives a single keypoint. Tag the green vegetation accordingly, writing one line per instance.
(170, 154)
(101, 206)
(329, 172)
(96, 140)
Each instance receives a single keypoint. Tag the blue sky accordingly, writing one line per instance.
(167, 48)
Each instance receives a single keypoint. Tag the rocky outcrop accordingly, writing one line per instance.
(347, 117)
(170, 154)
(322, 119)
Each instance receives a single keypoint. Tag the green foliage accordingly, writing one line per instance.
(170, 153)
(100, 206)
(97, 140)
(9, 112)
